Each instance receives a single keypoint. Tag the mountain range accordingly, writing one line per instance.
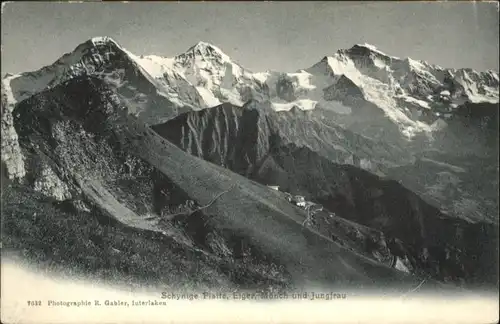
(147, 168)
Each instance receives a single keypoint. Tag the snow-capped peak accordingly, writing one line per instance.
(205, 76)
(369, 46)
(99, 40)
(367, 49)
(88, 58)
(206, 51)
(202, 44)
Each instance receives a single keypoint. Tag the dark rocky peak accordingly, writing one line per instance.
(344, 81)
(97, 56)
(227, 135)
(85, 98)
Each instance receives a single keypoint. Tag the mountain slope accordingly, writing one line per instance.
(403, 91)
(248, 141)
(117, 167)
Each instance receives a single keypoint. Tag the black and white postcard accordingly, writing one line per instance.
(249, 162)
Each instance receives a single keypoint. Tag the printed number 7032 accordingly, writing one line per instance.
(34, 303)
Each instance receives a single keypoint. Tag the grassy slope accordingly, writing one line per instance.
(94, 134)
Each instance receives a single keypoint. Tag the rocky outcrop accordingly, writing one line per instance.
(11, 152)
(49, 184)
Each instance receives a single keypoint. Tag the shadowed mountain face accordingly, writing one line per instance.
(127, 201)
(446, 174)
(483, 116)
(248, 141)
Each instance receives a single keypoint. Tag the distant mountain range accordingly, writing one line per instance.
(401, 156)
(204, 76)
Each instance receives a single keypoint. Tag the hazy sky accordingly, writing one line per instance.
(284, 36)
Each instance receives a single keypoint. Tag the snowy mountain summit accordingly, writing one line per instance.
(205, 76)
(111, 158)
(360, 86)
